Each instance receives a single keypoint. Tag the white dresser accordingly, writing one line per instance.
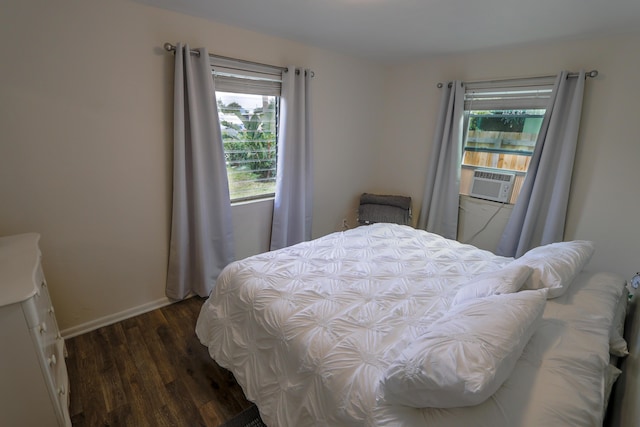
(34, 386)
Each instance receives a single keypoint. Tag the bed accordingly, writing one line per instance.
(385, 325)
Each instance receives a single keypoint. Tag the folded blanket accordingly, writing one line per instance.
(382, 208)
(402, 202)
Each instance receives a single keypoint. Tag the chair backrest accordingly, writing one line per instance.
(384, 208)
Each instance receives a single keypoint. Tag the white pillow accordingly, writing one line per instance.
(505, 281)
(467, 354)
(611, 375)
(556, 265)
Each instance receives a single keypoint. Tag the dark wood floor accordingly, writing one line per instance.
(150, 370)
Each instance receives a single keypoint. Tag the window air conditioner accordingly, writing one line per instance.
(491, 185)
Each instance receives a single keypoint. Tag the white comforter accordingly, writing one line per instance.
(309, 330)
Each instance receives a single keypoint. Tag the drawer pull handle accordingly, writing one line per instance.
(43, 328)
(52, 360)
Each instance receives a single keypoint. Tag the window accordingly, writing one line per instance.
(501, 128)
(248, 99)
(249, 135)
(501, 139)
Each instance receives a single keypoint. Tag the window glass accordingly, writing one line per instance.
(249, 133)
(502, 139)
(502, 120)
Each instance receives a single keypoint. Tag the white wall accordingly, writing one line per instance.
(482, 222)
(85, 151)
(605, 198)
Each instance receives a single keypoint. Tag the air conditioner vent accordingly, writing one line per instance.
(491, 185)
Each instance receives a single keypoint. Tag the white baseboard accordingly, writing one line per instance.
(114, 318)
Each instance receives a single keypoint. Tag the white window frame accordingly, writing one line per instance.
(242, 77)
(514, 94)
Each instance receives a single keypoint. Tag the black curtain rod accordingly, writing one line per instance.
(171, 48)
(592, 73)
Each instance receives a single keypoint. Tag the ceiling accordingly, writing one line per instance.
(390, 30)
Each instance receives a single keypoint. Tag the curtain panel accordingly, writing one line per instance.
(439, 210)
(539, 215)
(293, 204)
(201, 242)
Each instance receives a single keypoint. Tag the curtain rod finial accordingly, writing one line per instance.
(169, 47)
(593, 73)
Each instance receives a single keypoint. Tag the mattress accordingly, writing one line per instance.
(309, 331)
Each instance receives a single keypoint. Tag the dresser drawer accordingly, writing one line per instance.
(35, 386)
(56, 368)
(38, 308)
(60, 376)
(45, 332)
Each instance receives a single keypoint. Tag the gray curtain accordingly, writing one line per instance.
(292, 208)
(439, 211)
(538, 218)
(201, 229)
